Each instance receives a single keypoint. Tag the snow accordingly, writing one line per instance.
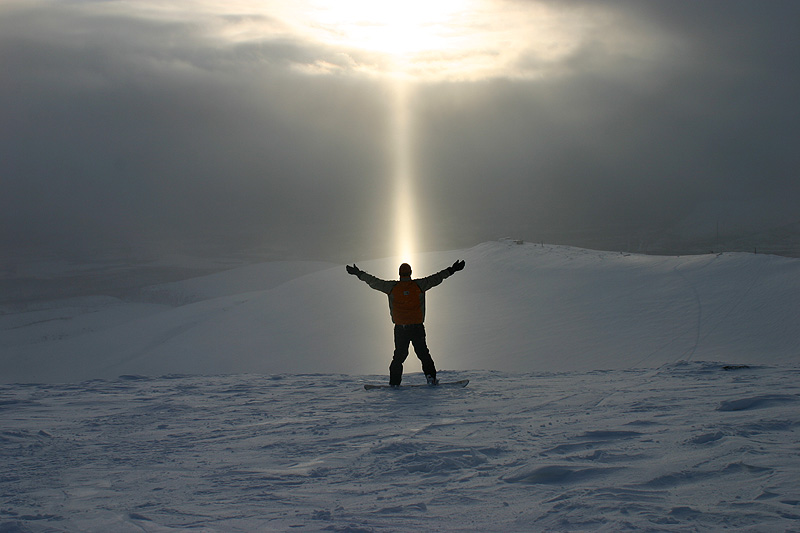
(685, 446)
(515, 308)
(249, 278)
(607, 392)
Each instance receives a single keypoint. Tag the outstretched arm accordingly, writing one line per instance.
(376, 283)
(435, 279)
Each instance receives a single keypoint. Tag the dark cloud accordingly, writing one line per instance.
(621, 143)
(113, 134)
(121, 128)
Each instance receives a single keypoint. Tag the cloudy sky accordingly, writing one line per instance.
(336, 129)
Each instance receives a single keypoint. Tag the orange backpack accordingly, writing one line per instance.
(406, 299)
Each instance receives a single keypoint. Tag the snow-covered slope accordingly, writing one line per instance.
(516, 307)
(249, 278)
(685, 447)
(598, 409)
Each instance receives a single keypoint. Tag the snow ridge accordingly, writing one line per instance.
(516, 308)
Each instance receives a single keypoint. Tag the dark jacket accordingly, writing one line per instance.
(406, 296)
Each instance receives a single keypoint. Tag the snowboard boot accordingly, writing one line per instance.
(431, 379)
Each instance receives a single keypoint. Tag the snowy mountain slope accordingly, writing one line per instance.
(557, 308)
(599, 412)
(516, 307)
(684, 447)
(249, 278)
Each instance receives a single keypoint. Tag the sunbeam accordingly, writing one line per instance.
(406, 212)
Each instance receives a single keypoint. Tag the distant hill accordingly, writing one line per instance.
(517, 307)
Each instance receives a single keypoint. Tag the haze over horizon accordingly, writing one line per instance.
(244, 124)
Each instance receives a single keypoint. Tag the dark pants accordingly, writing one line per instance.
(414, 334)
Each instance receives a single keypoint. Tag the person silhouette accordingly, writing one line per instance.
(407, 309)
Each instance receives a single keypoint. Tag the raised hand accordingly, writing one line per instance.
(456, 267)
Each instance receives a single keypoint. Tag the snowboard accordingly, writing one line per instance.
(456, 384)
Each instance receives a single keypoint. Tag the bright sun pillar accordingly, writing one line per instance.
(400, 31)
(406, 215)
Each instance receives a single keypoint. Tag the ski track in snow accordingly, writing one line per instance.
(687, 446)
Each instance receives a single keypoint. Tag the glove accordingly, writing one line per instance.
(354, 270)
(456, 267)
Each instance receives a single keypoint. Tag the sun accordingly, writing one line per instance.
(397, 29)
(399, 39)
